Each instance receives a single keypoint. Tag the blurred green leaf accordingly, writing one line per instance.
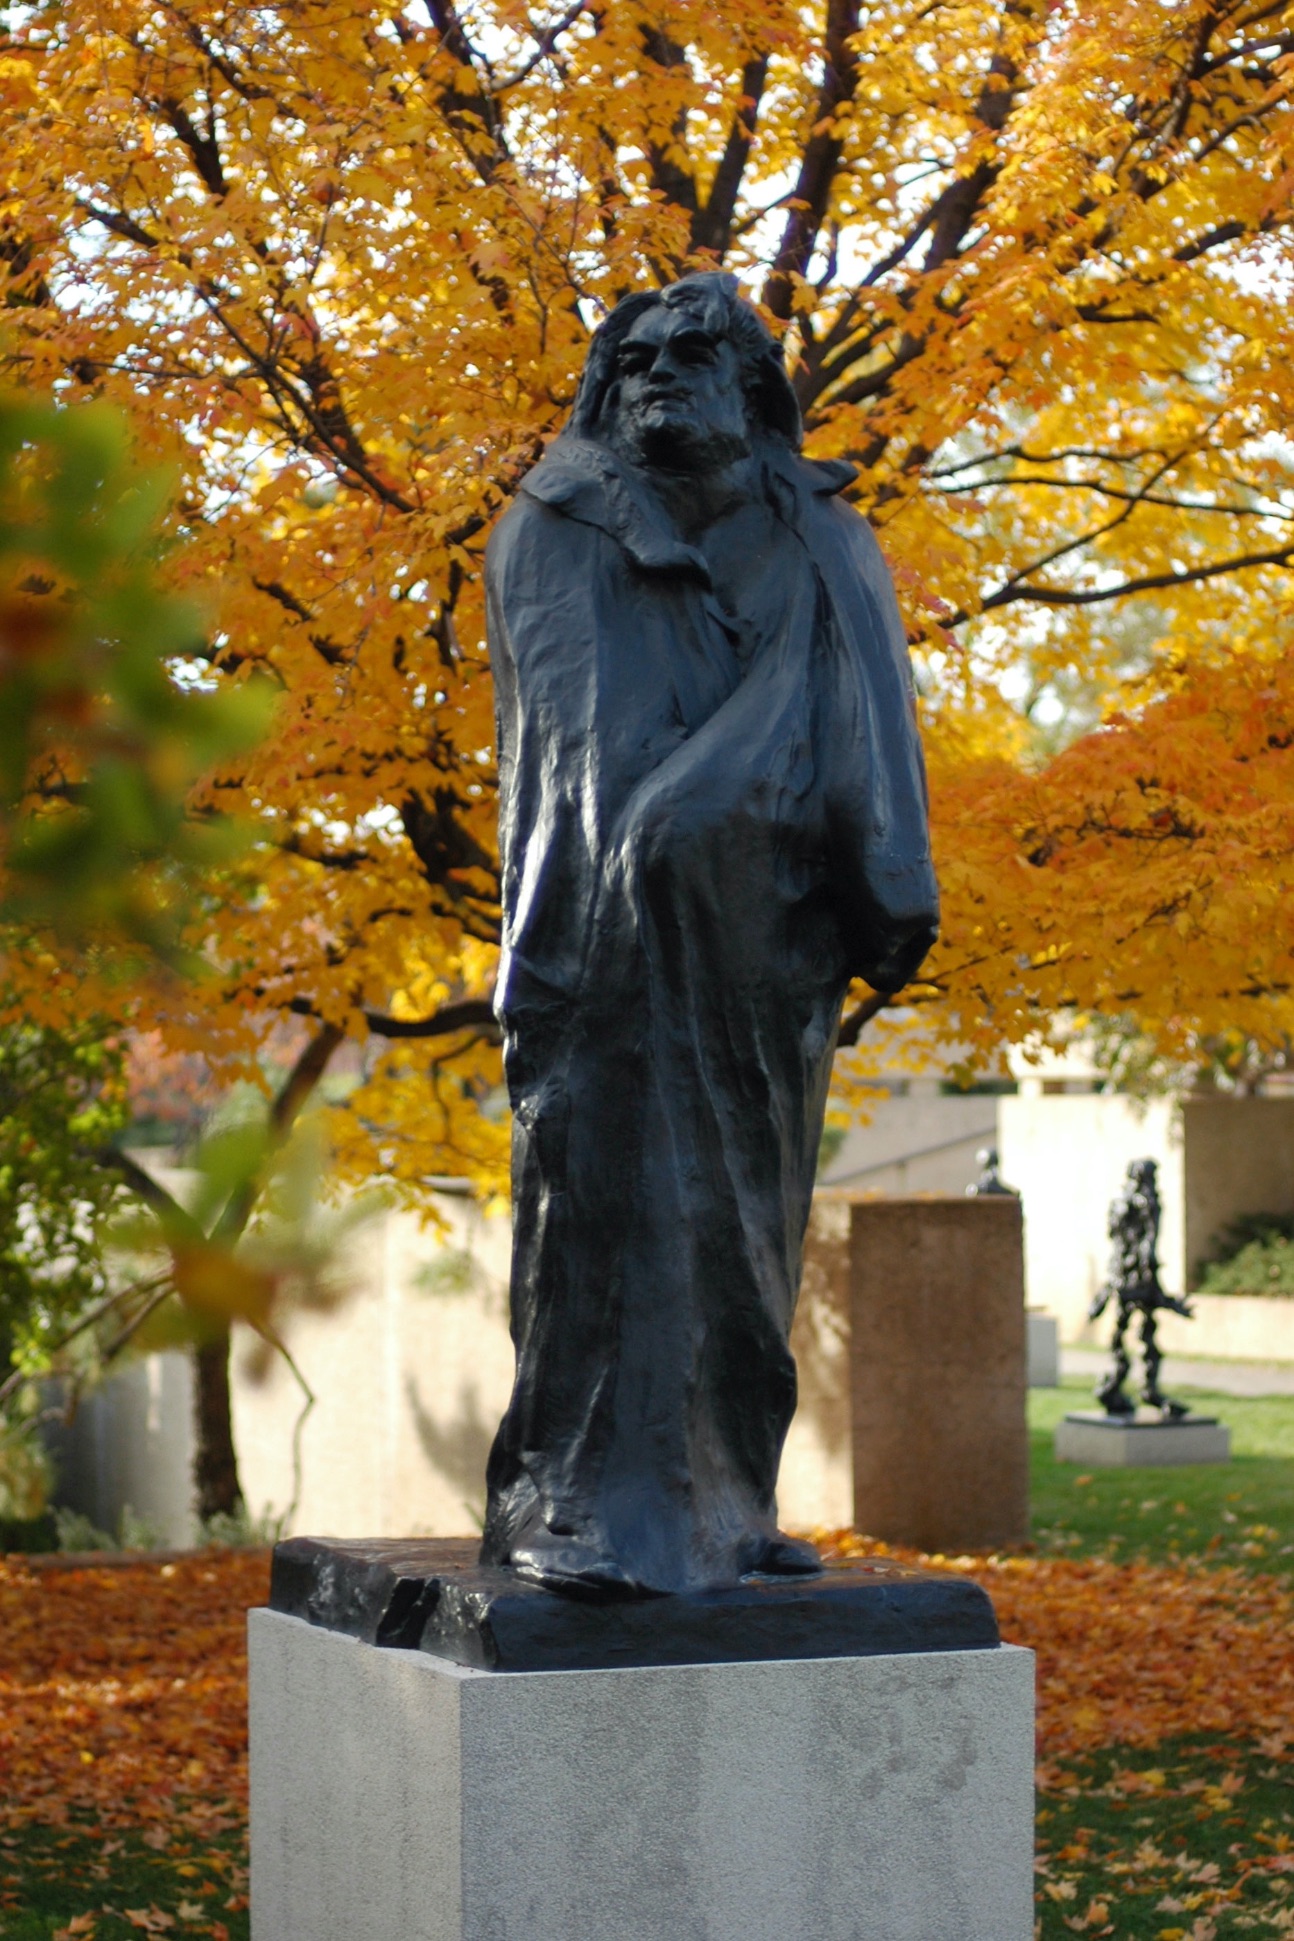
(103, 730)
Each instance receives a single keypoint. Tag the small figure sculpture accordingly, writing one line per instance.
(1134, 1282)
(990, 1182)
(712, 816)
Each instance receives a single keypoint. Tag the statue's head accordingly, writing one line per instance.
(1141, 1172)
(686, 379)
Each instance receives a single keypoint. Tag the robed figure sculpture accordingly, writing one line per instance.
(712, 816)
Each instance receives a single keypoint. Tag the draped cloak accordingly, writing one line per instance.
(712, 815)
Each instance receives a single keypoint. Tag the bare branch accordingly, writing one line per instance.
(150, 1190)
(1113, 492)
(544, 46)
(292, 1096)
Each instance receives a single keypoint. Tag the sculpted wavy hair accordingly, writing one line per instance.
(713, 298)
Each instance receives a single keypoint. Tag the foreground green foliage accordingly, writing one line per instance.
(1241, 1512)
(103, 727)
(62, 1104)
(1192, 1841)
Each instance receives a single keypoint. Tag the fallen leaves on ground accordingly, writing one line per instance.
(1138, 1653)
(123, 1690)
(123, 1693)
(123, 1712)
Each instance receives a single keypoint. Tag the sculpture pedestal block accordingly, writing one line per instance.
(937, 1351)
(1102, 1441)
(400, 1797)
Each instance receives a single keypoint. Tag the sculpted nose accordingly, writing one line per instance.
(664, 370)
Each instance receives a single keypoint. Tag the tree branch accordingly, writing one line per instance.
(1112, 492)
(851, 1027)
(544, 46)
(459, 1016)
(712, 225)
(292, 1096)
(150, 1190)
(820, 160)
(1057, 596)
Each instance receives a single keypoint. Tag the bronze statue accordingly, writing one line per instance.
(712, 816)
(990, 1184)
(1134, 1283)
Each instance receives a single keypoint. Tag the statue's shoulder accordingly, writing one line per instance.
(556, 490)
(842, 543)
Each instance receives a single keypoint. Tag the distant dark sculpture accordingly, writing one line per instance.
(712, 816)
(1134, 1284)
(990, 1182)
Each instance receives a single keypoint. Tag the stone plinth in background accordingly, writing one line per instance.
(937, 1365)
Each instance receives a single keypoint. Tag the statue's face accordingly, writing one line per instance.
(680, 403)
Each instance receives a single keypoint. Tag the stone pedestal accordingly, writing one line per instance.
(1145, 1441)
(1042, 1335)
(399, 1797)
(937, 1365)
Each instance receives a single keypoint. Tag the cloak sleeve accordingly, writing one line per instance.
(869, 754)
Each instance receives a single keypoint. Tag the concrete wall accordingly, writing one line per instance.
(130, 1445)
(1068, 1156)
(414, 1371)
(412, 1376)
(925, 1143)
(1232, 1327)
(815, 1487)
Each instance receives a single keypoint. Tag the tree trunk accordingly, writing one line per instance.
(215, 1465)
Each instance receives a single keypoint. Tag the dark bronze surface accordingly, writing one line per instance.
(433, 1597)
(1134, 1285)
(990, 1183)
(712, 816)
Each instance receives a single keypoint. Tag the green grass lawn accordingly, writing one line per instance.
(1241, 1512)
(107, 1887)
(1194, 1839)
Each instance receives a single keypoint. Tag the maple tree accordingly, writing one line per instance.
(340, 262)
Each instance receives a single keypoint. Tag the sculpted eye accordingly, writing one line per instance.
(632, 358)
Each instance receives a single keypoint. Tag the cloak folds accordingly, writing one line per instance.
(712, 816)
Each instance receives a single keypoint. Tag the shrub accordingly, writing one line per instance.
(1255, 1256)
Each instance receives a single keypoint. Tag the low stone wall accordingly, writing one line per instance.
(1232, 1327)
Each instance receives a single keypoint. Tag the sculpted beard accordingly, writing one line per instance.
(668, 435)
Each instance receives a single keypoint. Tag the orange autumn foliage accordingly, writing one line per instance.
(1030, 259)
(123, 1690)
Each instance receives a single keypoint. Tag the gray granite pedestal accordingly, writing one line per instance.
(1142, 1441)
(397, 1796)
